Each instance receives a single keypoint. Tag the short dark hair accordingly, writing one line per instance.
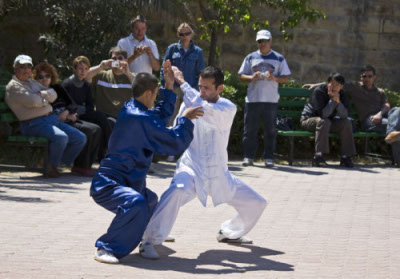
(338, 77)
(138, 18)
(368, 68)
(142, 83)
(118, 51)
(215, 73)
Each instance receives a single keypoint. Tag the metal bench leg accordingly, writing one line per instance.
(46, 160)
(366, 146)
(291, 143)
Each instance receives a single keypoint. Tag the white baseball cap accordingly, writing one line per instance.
(263, 35)
(23, 59)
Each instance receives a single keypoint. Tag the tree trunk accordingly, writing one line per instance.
(212, 56)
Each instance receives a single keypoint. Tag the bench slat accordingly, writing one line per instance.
(294, 92)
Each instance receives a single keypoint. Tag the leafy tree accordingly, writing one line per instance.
(217, 17)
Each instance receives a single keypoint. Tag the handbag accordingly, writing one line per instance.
(284, 123)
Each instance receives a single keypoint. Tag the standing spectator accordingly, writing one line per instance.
(189, 59)
(326, 112)
(112, 83)
(66, 109)
(30, 101)
(79, 90)
(263, 69)
(143, 54)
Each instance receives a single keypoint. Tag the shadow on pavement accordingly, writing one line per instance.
(23, 199)
(223, 261)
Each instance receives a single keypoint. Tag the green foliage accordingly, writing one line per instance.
(394, 97)
(235, 90)
(219, 15)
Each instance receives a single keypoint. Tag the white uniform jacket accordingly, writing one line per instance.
(206, 159)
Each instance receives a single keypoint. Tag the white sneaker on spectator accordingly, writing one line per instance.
(247, 162)
(146, 250)
(104, 256)
(269, 163)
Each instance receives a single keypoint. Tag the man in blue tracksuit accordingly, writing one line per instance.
(120, 183)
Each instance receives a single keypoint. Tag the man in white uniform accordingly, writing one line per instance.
(203, 169)
(143, 54)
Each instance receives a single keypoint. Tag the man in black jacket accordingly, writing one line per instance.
(326, 112)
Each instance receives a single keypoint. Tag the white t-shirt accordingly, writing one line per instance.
(265, 91)
(142, 63)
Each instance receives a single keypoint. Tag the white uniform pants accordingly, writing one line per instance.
(248, 204)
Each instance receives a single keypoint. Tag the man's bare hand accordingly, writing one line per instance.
(168, 75)
(334, 95)
(139, 50)
(105, 64)
(178, 75)
(377, 118)
(193, 112)
(257, 76)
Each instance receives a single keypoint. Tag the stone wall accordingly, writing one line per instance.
(355, 33)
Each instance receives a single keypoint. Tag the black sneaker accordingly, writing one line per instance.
(318, 162)
(346, 162)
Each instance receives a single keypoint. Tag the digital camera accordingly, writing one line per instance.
(115, 64)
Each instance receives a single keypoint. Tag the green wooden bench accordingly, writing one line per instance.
(16, 141)
(291, 104)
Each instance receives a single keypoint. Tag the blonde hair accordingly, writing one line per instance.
(80, 59)
(183, 25)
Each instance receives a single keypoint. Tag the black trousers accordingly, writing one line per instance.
(89, 152)
(106, 124)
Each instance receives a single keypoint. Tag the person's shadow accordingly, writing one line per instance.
(224, 261)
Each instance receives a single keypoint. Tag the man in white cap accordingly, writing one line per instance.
(263, 69)
(30, 102)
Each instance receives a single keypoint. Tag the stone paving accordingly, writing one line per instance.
(319, 223)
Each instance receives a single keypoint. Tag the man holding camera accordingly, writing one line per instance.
(143, 56)
(111, 82)
(263, 69)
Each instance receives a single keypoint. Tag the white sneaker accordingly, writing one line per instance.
(104, 256)
(241, 240)
(146, 250)
(269, 163)
(247, 162)
(170, 238)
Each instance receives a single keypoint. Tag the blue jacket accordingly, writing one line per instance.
(191, 62)
(138, 133)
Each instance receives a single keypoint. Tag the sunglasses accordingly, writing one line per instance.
(263, 41)
(118, 58)
(184, 34)
(366, 76)
(44, 76)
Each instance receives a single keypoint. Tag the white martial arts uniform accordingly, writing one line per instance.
(203, 170)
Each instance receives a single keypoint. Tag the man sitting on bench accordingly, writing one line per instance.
(327, 112)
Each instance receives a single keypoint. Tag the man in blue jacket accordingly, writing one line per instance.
(120, 183)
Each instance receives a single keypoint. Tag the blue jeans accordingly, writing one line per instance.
(253, 113)
(393, 125)
(65, 142)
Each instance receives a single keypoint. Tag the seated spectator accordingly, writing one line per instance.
(373, 108)
(66, 109)
(30, 101)
(79, 90)
(327, 111)
(112, 82)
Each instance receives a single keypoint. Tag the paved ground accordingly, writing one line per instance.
(319, 223)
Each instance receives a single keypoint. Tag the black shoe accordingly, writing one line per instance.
(318, 162)
(346, 162)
